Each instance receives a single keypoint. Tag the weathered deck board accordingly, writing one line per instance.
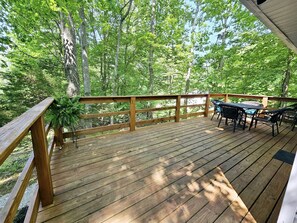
(174, 172)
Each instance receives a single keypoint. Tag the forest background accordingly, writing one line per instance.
(136, 47)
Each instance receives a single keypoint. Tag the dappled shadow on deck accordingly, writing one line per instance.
(190, 171)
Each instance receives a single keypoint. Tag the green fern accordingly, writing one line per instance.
(65, 112)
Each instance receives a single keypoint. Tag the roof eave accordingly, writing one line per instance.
(253, 7)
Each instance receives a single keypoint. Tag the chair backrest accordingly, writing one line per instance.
(230, 112)
(275, 117)
(216, 104)
(276, 114)
(293, 106)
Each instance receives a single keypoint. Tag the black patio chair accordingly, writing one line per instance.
(217, 109)
(230, 112)
(293, 116)
(249, 112)
(271, 117)
(293, 106)
(288, 116)
(294, 122)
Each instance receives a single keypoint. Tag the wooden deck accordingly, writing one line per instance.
(189, 171)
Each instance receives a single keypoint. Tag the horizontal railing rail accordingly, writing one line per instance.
(177, 107)
(133, 111)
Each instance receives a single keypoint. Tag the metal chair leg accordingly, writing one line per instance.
(220, 121)
(251, 124)
(234, 124)
(212, 116)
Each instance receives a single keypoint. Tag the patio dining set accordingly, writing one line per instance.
(239, 112)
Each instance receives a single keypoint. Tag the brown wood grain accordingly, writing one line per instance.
(13, 132)
(47, 128)
(206, 108)
(156, 120)
(106, 114)
(58, 136)
(117, 178)
(96, 129)
(8, 212)
(96, 100)
(33, 206)
(192, 106)
(132, 116)
(41, 160)
(177, 109)
(154, 109)
(194, 114)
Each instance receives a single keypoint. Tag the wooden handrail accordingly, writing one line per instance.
(10, 136)
(12, 133)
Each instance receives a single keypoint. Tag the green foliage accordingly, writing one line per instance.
(65, 112)
(230, 49)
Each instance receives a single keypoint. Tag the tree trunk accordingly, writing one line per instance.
(221, 64)
(151, 50)
(92, 25)
(192, 54)
(287, 76)
(104, 75)
(151, 56)
(192, 42)
(85, 62)
(70, 62)
(84, 54)
(116, 64)
(116, 82)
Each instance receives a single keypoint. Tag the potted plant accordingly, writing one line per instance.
(65, 113)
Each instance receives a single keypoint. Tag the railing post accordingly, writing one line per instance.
(41, 160)
(59, 137)
(265, 101)
(132, 113)
(177, 108)
(207, 102)
(226, 99)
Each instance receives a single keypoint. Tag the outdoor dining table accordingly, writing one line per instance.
(244, 107)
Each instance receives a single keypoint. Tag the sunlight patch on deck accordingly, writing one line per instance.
(159, 176)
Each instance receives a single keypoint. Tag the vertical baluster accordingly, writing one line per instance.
(226, 99)
(177, 108)
(59, 137)
(265, 101)
(207, 102)
(41, 161)
(132, 113)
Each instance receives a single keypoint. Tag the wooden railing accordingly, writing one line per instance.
(133, 111)
(10, 136)
(178, 107)
(33, 121)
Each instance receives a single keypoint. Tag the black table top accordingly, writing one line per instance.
(242, 105)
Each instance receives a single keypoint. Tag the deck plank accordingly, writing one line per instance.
(174, 172)
(255, 178)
